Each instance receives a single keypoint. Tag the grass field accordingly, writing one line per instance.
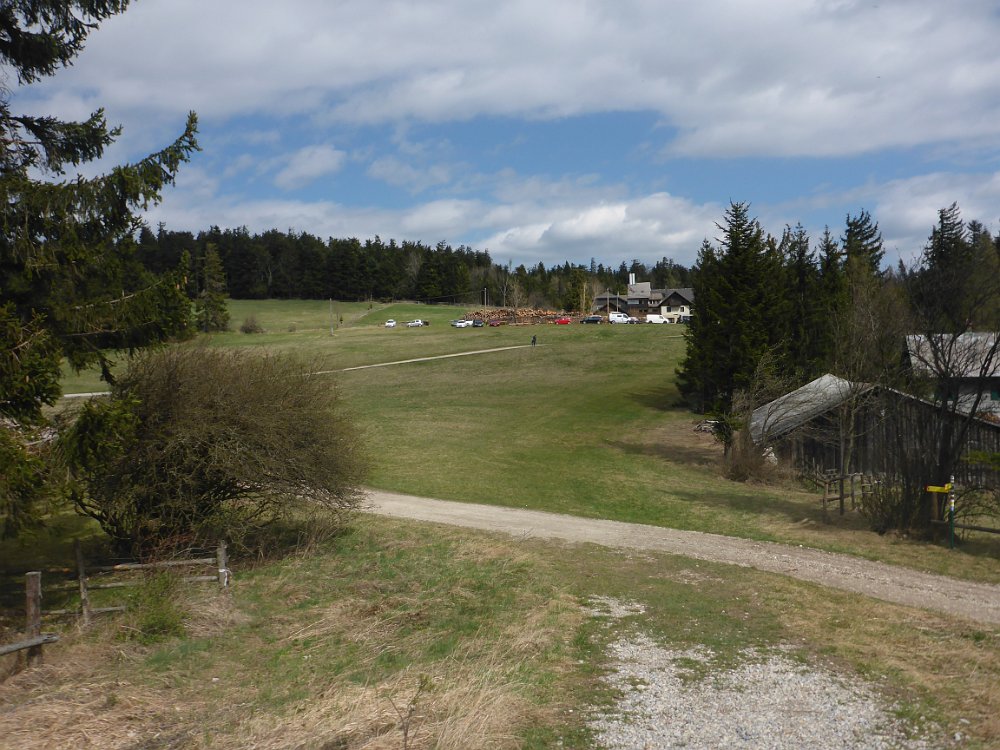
(587, 423)
(464, 640)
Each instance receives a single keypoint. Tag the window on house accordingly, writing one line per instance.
(945, 395)
(995, 394)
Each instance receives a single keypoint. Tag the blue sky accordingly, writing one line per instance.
(553, 130)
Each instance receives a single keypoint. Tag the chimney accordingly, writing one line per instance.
(631, 279)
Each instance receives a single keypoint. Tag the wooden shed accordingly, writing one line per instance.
(832, 424)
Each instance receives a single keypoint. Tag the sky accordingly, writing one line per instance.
(553, 130)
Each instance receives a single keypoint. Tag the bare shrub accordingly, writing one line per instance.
(745, 459)
(198, 444)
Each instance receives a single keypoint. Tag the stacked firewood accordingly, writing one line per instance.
(507, 315)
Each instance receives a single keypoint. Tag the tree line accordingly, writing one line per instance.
(299, 265)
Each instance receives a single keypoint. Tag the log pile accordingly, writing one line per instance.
(506, 315)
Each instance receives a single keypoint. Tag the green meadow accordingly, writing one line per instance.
(589, 422)
(392, 634)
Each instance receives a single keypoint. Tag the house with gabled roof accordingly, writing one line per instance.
(967, 365)
(674, 305)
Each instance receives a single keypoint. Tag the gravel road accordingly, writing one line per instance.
(770, 700)
(974, 601)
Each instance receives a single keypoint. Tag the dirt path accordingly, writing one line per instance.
(424, 359)
(974, 601)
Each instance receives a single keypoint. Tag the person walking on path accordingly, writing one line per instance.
(533, 340)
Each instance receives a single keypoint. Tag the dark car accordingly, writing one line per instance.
(592, 319)
(477, 323)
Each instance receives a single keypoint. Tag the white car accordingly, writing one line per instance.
(462, 323)
(415, 323)
(390, 323)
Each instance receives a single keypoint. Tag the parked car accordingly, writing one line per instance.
(390, 323)
(592, 319)
(655, 319)
(461, 323)
(477, 323)
(495, 323)
(618, 317)
(563, 321)
(416, 323)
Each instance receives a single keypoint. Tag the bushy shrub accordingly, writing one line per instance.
(881, 506)
(198, 444)
(250, 325)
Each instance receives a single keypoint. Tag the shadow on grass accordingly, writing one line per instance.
(689, 455)
(795, 511)
(663, 398)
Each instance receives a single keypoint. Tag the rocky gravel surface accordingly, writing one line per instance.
(769, 701)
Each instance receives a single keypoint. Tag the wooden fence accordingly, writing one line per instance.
(838, 488)
(35, 639)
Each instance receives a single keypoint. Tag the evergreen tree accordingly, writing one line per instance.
(732, 324)
(211, 313)
(862, 244)
(831, 295)
(804, 309)
(70, 282)
(704, 332)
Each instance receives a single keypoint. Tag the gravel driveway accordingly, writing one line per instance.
(973, 601)
(770, 700)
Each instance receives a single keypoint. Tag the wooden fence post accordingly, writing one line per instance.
(82, 576)
(33, 614)
(223, 564)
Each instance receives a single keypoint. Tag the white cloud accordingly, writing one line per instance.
(398, 173)
(782, 77)
(575, 227)
(308, 164)
(776, 78)
(907, 209)
(648, 228)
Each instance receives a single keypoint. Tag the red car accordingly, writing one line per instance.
(563, 321)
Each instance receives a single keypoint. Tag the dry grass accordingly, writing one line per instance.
(478, 703)
(956, 662)
(328, 651)
(232, 690)
(84, 698)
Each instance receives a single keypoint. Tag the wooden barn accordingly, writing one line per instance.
(833, 425)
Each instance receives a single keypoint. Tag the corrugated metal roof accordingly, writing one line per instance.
(786, 413)
(966, 355)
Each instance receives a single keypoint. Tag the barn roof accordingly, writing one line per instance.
(788, 412)
(967, 355)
